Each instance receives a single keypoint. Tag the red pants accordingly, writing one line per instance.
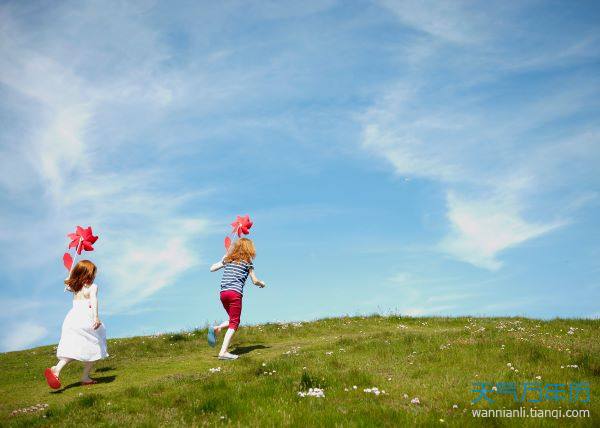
(232, 302)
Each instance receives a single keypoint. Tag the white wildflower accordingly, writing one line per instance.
(312, 392)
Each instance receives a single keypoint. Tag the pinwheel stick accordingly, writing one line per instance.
(74, 261)
(76, 254)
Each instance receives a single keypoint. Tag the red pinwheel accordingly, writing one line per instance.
(240, 226)
(81, 240)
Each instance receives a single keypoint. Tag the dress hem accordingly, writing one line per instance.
(80, 359)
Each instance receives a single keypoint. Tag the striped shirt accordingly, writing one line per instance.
(234, 276)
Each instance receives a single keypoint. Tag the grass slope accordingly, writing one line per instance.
(165, 379)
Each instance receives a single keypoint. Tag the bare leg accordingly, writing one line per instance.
(59, 366)
(221, 326)
(226, 341)
(87, 367)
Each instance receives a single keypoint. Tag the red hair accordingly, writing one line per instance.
(243, 250)
(82, 274)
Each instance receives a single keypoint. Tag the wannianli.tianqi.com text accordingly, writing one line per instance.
(523, 412)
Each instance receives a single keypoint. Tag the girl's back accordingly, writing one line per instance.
(235, 275)
(84, 293)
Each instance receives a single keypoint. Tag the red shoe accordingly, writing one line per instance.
(91, 382)
(52, 379)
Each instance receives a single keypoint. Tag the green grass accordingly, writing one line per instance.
(165, 380)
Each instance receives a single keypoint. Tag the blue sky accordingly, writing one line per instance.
(419, 157)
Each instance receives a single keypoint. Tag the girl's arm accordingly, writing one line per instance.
(255, 280)
(94, 303)
(215, 267)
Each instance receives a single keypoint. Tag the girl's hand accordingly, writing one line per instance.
(260, 283)
(97, 324)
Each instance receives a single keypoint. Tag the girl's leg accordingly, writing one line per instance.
(221, 326)
(59, 366)
(234, 310)
(87, 367)
(226, 340)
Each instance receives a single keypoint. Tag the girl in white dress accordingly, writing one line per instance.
(83, 336)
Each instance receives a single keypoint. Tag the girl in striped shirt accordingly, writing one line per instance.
(238, 266)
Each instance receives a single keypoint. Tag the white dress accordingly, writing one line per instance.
(78, 339)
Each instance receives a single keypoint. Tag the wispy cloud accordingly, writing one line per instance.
(481, 229)
(76, 171)
(456, 22)
(496, 154)
(22, 335)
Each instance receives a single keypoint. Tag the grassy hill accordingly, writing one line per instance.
(167, 379)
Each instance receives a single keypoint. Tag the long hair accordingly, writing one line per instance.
(82, 274)
(243, 250)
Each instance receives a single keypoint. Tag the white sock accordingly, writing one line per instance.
(59, 366)
(226, 340)
(86, 370)
(222, 325)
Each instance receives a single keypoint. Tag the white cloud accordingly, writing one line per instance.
(488, 183)
(481, 229)
(70, 172)
(401, 279)
(273, 9)
(496, 162)
(419, 311)
(452, 21)
(141, 266)
(21, 335)
(14, 308)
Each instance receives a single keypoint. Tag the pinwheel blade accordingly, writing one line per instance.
(68, 261)
(86, 246)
